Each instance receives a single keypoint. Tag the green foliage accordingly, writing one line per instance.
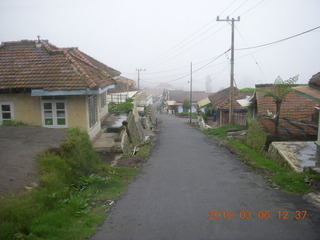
(186, 114)
(186, 105)
(286, 179)
(14, 123)
(79, 153)
(223, 131)
(145, 150)
(282, 88)
(256, 137)
(121, 108)
(129, 100)
(72, 199)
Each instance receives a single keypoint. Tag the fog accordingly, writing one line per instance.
(165, 36)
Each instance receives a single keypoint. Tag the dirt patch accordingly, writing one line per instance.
(19, 147)
(107, 157)
(131, 162)
(115, 159)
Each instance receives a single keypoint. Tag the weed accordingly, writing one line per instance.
(120, 108)
(286, 179)
(14, 123)
(222, 131)
(64, 206)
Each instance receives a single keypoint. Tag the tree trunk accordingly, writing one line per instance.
(276, 121)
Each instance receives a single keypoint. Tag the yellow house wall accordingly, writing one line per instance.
(77, 112)
(26, 108)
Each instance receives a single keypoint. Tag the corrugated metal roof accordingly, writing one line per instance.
(203, 102)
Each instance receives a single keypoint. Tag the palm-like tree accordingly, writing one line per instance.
(281, 90)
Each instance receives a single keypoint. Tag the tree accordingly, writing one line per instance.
(186, 105)
(281, 89)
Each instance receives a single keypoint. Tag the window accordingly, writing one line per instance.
(103, 97)
(54, 113)
(6, 111)
(93, 110)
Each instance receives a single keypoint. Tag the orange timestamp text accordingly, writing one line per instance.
(257, 214)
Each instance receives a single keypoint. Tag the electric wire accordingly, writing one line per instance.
(198, 69)
(201, 41)
(254, 59)
(174, 49)
(281, 40)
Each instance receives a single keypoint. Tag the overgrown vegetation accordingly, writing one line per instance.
(121, 108)
(282, 177)
(76, 190)
(281, 89)
(144, 150)
(186, 114)
(222, 132)
(14, 123)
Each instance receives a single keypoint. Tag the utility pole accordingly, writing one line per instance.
(232, 66)
(190, 92)
(139, 69)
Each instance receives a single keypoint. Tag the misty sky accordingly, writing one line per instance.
(165, 36)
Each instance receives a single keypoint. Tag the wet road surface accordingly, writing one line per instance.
(187, 176)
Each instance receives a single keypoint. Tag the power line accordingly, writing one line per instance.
(198, 69)
(255, 60)
(177, 46)
(281, 40)
(175, 49)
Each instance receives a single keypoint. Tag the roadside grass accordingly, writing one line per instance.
(15, 123)
(145, 150)
(186, 114)
(283, 177)
(221, 132)
(75, 192)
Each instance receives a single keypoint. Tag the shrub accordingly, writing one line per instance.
(256, 136)
(121, 108)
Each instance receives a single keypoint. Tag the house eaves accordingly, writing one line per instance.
(88, 91)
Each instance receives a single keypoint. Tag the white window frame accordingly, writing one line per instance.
(93, 112)
(54, 110)
(103, 97)
(11, 111)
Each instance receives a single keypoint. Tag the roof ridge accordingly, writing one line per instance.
(77, 66)
(86, 61)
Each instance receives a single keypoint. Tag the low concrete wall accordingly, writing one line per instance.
(134, 130)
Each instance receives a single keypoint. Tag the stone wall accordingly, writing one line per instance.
(134, 130)
(274, 154)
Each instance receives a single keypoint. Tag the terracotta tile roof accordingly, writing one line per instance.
(24, 65)
(122, 87)
(221, 99)
(179, 95)
(294, 107)
(314, 82)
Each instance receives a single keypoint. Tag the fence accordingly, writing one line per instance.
(240, 119)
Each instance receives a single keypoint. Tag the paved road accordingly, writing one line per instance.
(187, 176)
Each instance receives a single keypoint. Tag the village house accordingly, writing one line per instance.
(43, 85)
(221, 102)
(297, 115)
(312, 92)
(175, 99)
(124, 89)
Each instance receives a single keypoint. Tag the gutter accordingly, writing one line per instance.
(88, 91)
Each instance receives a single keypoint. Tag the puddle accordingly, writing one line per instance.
(118, 122)
(308, 155)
